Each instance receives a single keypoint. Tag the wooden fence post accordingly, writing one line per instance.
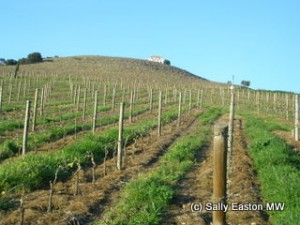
(34, 109)
(296, 133)
(159, 115)
(219, 180)
(95, 112)
(26, 123)
(120, 137)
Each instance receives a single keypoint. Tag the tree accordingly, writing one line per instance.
(245, 83)
(34, 57)
(23, 61)
(2, 61)
(10, 62)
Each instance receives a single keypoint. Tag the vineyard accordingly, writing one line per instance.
(100, 140)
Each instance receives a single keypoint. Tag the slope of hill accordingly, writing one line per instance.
(111, 68)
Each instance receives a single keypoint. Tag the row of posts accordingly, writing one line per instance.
(223, 143)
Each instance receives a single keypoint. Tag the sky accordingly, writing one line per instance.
(254, 40)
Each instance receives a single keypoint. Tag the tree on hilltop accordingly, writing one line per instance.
(10, 62)
(245, 83)
(34, 57)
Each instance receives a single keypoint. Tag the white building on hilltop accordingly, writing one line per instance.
(159, 59)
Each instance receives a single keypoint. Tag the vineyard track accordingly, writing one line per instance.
(197, 186)
(69, 139)
(96, 198)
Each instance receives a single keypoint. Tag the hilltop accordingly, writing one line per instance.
(110, 68)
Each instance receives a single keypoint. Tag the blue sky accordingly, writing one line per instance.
(255, 40)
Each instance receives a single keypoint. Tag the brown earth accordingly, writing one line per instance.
(197, 187)
(92, 199)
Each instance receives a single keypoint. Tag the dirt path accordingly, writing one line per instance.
(95, 198)
(196, 188)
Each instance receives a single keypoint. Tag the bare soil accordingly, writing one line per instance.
(94, 198)
(197, 187)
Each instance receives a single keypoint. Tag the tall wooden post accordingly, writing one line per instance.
(131, 107)
(34, 109)
(179, 110)
(113, 99)
(296, 117)
(190, 100)
(159, 114)
(201, 100)
(120, 137)
(42, 102)
(84, 104)
(1, 91)
(104, 95)
(95, 111)
(287, 106)
(230, 125)
(219, 181)
(151, 99)
(26, 125)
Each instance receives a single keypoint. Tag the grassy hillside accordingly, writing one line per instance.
(112, 68)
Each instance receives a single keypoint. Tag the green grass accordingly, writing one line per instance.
(278, 168)
(144, 200)
(35, 170)
(57, 132)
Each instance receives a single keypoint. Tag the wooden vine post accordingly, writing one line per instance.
(190, 100)
(151, 100)
(26, 125)
(179, 110)
(287, 106)
(95, 112)
(84, 104)
(113, 99)
(131, 107)
(1, 91)
(201, 99)
(159, 115)
(34, 109)
(296, 132)
(120, 137)
(42, 102)
(231, 119)
(219, 180)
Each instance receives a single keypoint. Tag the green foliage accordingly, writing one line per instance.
(144, 200)
(10, 125)
(278, 169)
(245, 83)
(8, 204)
(34, 171)
(10, 62)
(34, 57)
(8, 149)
